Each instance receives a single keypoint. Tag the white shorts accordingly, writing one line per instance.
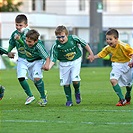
(69, 71)
(22, 67)
(35, 69)
(123, 73)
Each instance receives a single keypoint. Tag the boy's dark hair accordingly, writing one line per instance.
(33, 35)
(21, 18)
(60, 29)
(113, 32)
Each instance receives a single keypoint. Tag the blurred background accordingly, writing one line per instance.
(88, 19)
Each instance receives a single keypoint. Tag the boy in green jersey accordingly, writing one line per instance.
(16, 40)
(38, 59)
(10, 55)
(121, 74)
(67, 50)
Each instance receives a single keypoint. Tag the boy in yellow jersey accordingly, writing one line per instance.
(121, 74)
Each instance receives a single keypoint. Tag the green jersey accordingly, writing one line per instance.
(37, 52)
(3, 51)
(68, 51)
(16, 43)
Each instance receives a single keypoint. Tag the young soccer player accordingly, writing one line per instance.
(38, 59)
(16, 40)
(67, 50)
(10, 55)
(121, 74)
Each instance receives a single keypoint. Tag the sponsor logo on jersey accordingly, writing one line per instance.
(70, 56)
(28, 54)
(21, 50)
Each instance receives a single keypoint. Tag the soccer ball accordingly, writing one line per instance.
(2, 89)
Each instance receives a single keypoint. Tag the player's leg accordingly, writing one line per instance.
(21, 74)
(128, 94)
(39, 83)
(115, 79)
(67, 90)
(128, 78)
(75, 72)
(65, 81)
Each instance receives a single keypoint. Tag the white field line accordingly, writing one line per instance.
(66, 122)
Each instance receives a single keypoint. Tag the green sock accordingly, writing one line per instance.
(76, 87)
(128, 93)
(117, 89)
(40, 87)
(26, 87)
(67, 90)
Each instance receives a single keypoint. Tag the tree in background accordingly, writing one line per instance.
(10, 6)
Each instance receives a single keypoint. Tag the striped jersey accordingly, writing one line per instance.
(36, 52)
(121, 53)
(68, 51)
(15, 43)
(3, 51)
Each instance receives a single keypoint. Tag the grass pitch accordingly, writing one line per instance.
(97, 112)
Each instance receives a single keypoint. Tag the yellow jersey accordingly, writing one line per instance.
(121, 53)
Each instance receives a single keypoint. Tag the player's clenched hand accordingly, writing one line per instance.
(45, 67)
(11, 54)
(130, 64)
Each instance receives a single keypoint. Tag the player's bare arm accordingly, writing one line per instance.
(91, 55)
(96, 56)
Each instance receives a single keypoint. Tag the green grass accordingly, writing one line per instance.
(96, 114)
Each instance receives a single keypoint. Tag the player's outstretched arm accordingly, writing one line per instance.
(91, 55)
(96, 56)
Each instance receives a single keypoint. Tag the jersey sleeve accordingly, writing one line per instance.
(3, 51)
(129, 50)
(80, 41)
(54, 53)
(103, 53)
(11, 42)
(42, 51)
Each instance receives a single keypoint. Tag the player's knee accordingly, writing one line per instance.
(75, 82)
(113, 82)
(21, 79)
(66, 85)
(36, 79)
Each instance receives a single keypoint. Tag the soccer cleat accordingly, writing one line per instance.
(128, 99)
(69, 103)
(121, 102)
(42, 102)
(29, 100)
(2, 90)
(78, 98)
